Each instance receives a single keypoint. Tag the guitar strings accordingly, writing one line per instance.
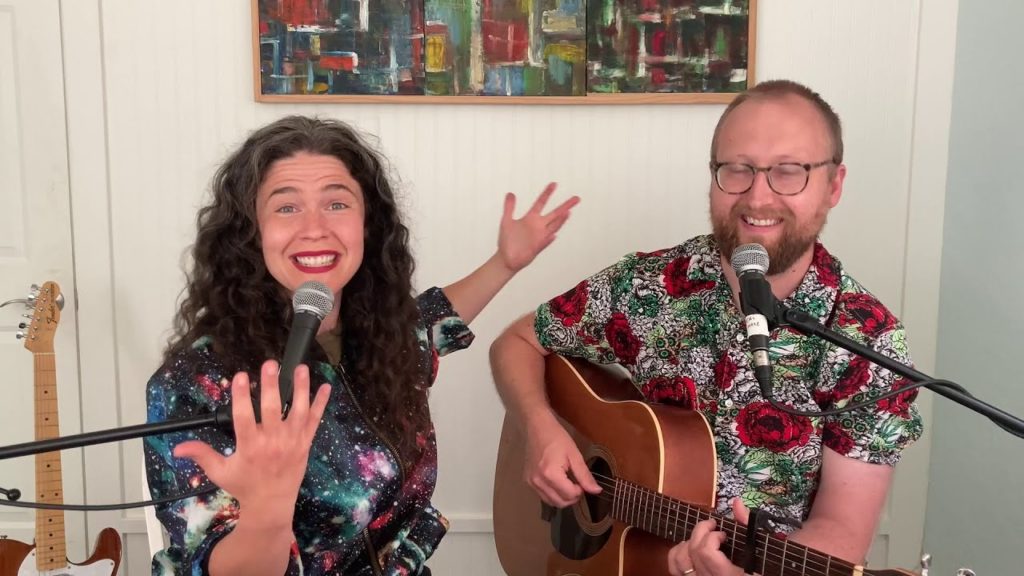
(779, 554)
(769, 548)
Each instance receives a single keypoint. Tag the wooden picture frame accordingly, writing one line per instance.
(496, 52)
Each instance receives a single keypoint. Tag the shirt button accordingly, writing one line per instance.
(739, 337)
(728, 402)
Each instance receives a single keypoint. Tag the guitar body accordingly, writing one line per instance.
(18, 559)
(665, 449)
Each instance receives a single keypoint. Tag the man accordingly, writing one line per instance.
(672, 319)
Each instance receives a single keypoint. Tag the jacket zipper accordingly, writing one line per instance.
(375, 562)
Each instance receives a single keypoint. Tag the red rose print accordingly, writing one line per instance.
(853, 380)
(677, 280)
(569, 307)
(900, 403)
(725, 372)
(621, 338)
(825, 266)
(677, 391)
(822, 399)
(761, 425)
(836, 438)
(864, 309)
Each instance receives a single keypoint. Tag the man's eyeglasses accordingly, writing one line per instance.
(785, 178)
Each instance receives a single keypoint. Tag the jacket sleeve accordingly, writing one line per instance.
(187, 387)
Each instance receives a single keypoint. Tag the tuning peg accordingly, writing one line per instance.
(19, 335)
(22, 325)
(926, 563)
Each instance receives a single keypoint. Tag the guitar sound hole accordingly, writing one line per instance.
(599, 506)
(574, 530)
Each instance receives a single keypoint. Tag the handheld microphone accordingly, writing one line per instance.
(312, 302)
(750, 262)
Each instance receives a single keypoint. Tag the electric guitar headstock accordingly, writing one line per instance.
(45, 303)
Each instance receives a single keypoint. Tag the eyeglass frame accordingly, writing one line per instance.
(807, 166)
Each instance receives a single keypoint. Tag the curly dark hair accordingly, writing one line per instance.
(231, 297)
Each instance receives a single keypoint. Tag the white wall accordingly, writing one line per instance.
(159, 92)
(977, 468)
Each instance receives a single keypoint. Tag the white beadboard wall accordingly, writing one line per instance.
(159, 92)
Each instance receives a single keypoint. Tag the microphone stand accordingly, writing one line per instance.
(221, 418)
(808, 325)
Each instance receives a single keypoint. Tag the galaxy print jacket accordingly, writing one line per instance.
(356, 497)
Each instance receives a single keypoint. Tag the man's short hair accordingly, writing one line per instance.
(779, 89)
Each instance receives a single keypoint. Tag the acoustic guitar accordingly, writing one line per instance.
(49, 555)
(658, 470)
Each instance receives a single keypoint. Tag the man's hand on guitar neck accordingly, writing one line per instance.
(702, 554)
(554, 466)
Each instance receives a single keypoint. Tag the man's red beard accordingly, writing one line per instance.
(784, 252)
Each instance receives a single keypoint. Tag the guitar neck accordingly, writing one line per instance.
(51, 547)
(674, 519)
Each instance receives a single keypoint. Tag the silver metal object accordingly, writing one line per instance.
(926, 563)
(26, 301)
(30, 300)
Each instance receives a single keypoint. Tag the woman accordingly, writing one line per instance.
(343, 484)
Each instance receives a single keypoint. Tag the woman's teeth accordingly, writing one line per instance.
(315, 261)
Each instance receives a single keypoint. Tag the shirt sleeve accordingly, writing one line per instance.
(877, 433)
(184, 389)
(588, 321)
(442, 331)
(417, 540)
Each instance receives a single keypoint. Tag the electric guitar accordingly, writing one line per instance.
(658, 470)
(49, 555)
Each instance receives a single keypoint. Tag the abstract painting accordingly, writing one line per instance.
(549, 51)
(667, 46)
(340, 47)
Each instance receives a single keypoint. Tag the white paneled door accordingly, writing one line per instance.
(35, 247)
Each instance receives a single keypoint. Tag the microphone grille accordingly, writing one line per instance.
(749, 257)
(313, 297)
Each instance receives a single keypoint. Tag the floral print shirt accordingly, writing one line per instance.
(354, 485)
(669, 318)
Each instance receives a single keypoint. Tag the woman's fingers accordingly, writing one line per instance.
(300, 395)
(270, 394)
(243, 417)
(211, 461)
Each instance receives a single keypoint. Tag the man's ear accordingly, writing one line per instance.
(835, 185)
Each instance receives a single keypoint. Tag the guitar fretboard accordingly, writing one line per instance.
(51, 548)
(674, 520)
